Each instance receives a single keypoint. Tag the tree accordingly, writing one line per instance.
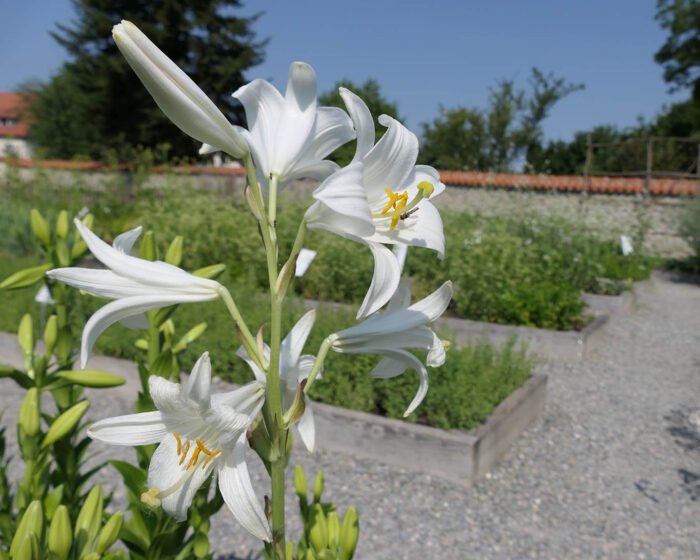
(498, 137)
(371, 94)
(204, 38)
(680, 54)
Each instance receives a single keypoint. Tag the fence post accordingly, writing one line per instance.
(650, 162)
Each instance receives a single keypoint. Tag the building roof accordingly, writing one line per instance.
(11, 105)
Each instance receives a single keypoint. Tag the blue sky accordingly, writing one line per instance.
(424, 54)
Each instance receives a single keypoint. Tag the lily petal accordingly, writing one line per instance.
(131, 429)
(293, 344)
(237, 491)
(390, 162)
(125, 242)
(199, 382)
(395, 363)
(362, 119)
(123, 308)
(307, 427)
(385, 280)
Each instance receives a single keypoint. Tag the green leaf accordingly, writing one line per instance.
(134, 478)
(25, 277)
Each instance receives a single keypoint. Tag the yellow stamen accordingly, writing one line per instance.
(184, 452)
(393, 197)
(200, 444)
(179, 443)
(397, 215)
(209, 459)
(195, 456)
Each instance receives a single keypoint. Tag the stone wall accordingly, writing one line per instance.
(657, 218)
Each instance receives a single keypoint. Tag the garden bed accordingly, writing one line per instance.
(459, 456)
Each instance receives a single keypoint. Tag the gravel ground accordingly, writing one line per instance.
(611, 471)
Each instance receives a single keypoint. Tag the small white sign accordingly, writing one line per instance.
(304, 260)
(626, 245)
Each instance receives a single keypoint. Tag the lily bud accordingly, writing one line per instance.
(109, 533)
(201, 545)
(62, 252)
(92, 378)
(349, 534)
(51, 334)
(148, 249)
(333, 530)
(60, 537)
(62, 225)
(27, 548)
(40, 227)
(29, 417)
(31, 525)
(174, 253)
(182, 101)
(89, 520)
(25, 336)
(318, 486)
(25, 277)
(318, 534)
(190, 336)
(212, 271)
(65, 423)
(300, 481)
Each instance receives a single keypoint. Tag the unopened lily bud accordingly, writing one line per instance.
(333, 530)
(62, 252)
(174, 253)
(89, 519)
(31, 525)
(60, 537)
(25, 277)
(201, 545)
(300, 481)
(148, 249)
(318, 534)
(51, 334)
(349, 534)
(27, 548)
(91, 556)
(289, 551)
(318, 486)
(92, 378)
(190, 336)
(62, 225)
(65, 423)
(25, 335)
(29, 416)
(211, 272)
(109, 533)
(40, 227)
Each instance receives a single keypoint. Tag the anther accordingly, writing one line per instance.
(210, 458)
(179, 443)
(184, 452)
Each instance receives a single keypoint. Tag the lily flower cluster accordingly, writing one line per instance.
(381, 198)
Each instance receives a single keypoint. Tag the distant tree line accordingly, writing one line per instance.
(95, 107)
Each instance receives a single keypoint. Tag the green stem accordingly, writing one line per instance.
(247, 338)
(318, 364)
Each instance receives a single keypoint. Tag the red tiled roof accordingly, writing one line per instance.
(11, 105)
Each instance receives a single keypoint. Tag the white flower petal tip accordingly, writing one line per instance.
(199, 433)
(391, 333)
(136, 285)
(182, 101)
(288, 136)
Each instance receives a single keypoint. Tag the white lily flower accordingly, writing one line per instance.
(182, 101)
(294, 368)
(289, 136)
(393, 332)
(136, 285)
(198, 433)
(398, 193)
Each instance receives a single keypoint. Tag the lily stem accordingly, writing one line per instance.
(318, 364)
(248, 339)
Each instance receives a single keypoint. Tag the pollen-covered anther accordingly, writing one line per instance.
(399, 208)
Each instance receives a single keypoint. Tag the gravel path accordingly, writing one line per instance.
(611, 471)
